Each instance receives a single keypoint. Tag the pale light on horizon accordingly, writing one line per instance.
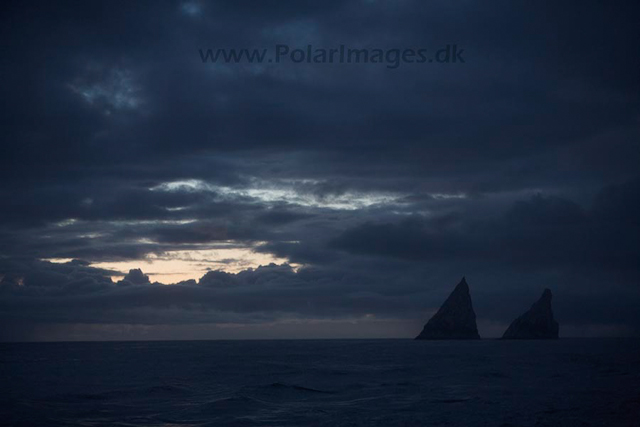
(179, 265)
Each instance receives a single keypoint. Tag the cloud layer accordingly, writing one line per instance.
(376, 189)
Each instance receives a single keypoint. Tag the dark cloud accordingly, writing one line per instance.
(538, 232)
(517, 168)
(135, 277)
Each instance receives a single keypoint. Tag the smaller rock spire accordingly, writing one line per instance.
(537, 323)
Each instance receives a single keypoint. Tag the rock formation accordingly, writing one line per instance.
(537, 323)
(455, 319)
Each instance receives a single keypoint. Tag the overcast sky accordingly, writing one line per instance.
(293, 200)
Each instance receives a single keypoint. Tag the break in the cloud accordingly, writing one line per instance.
(296, 200)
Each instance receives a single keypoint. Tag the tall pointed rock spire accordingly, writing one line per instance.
(537, 323)
(455, 319)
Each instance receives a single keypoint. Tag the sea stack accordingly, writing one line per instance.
(537, 323)
(455, 320)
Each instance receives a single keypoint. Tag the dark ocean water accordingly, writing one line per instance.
(569, 382)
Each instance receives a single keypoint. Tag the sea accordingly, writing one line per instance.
(565, 382)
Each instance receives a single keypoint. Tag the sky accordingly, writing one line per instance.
(147, 194)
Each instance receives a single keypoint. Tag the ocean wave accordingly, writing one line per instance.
(284, 386)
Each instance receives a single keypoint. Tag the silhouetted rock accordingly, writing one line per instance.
(455, 319)
(537, 323)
